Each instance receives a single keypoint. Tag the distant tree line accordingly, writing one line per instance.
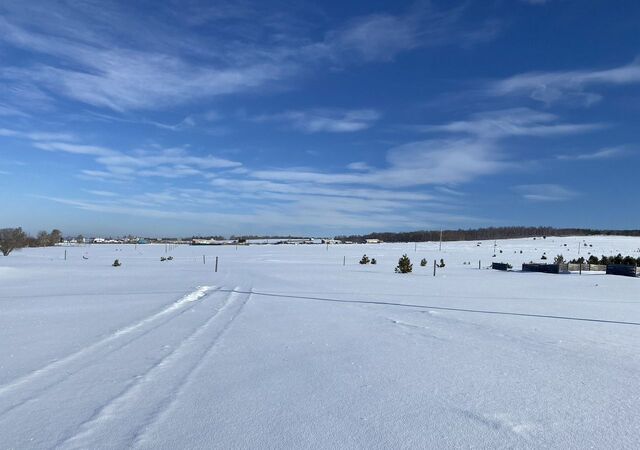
(14, 238)
(605, 260)
(481, 234)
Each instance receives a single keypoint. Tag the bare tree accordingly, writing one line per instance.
(10, 239)
(43, 239)
(55, 237)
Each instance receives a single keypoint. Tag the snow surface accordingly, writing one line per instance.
(285, 347)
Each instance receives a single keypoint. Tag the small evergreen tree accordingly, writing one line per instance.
(373, 261)
(404, 265)
(558, 259)
(116, 263)
(365, 259)
(423, 262)
(544, 257)
(593, 259)
(441, 263)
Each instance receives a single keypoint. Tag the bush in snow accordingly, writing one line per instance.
(404, 265)
(373, 261)
(162, 259)
(441, 263)
(423, 262)
(558, 259)
(543, 257)
(365, 260)
(116, 263)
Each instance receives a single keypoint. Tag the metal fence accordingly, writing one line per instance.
(545, 268)
(587, 267)
(622, 269)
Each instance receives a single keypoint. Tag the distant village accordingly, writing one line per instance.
(204, 241)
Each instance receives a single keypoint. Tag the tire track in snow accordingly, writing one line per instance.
(99, 349)
(127, 417)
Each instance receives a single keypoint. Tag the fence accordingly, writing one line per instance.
(500, 266)
(545, 268)
(587, 267)
(622, 269)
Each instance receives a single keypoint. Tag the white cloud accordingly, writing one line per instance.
(603, 153)
(326, 120)
(512, 122)
(545, 192)
(378, 37)
(359, 165)
(76, 149)
(6, 110)
(549, 87)
(108, 58)
(117, 165)
(470, 149)
(102, 193)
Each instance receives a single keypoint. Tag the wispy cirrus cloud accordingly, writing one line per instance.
(174, 162)
(551, 87)
(545, 192)
(382, 37)
(467, 150)
(603, 153)
(124, 62)
(325, 120)
(512, 122)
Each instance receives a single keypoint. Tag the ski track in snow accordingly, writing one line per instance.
(126, 417)
(46, 380)
(96, 346)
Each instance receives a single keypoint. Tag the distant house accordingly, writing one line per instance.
(373, 241)
(212, 242)
(298, 241)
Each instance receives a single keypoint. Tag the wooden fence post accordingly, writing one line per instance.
(434, 267)
(216, 263)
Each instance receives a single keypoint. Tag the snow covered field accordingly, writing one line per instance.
(285, 347)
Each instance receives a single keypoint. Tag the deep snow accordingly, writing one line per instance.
(285, 347)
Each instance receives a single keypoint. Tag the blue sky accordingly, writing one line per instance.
(321, 118)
